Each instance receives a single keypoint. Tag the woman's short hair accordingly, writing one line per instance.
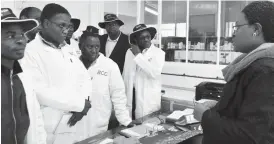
(87, 34)
(262, 12)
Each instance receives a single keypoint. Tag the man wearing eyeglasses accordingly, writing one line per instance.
(31, 13)
(62, 84)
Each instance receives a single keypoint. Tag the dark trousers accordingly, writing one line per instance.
(113, 122)
(133, 104)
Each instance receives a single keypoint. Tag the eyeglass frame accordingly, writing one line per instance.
(236, 27)
(62, 27)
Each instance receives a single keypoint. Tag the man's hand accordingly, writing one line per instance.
(87, 107)
(199, 110)
(76, 116)
(134, 123)
(135, 49)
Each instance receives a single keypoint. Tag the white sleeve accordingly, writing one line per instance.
(151, 66)
(36, 132)
(118, 96)
(41, 135)
(64, 98)
(126, 78)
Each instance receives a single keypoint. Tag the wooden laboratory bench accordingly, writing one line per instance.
(161, 138)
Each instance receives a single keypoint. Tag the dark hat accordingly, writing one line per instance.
(110, 18)
(76, 22)
(92, 29)
(139, 28)
(8, 17)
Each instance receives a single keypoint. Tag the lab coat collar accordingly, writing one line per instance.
(116, 40)
(51, 44)
(93, 63)
(147, 49)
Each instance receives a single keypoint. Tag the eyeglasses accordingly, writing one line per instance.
(236, 27)
(63, 26)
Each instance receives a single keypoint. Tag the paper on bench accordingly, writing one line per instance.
(131, 133)
(178, 114)
(190, 119)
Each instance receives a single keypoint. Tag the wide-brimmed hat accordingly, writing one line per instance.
(7, 16)
(92, 29)
(139, 28)
(76, 22)
(110, 18)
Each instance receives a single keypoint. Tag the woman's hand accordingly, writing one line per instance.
(199, 110)
(210, 103)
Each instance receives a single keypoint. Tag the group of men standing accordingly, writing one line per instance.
(66, 90)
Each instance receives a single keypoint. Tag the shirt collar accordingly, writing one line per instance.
(16, 68)
(116, 40)
(51, 44)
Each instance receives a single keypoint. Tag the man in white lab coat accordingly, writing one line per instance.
(142, 72)
(73, 49)
(108, 86)
(62, 83)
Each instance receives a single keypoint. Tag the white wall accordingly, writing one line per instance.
(90, 12)
(127, 8)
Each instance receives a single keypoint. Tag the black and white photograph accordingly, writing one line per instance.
(137, 71)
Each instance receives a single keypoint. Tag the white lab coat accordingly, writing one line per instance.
(73, 48)
(144, 71)
(36, 133)
(108, 89)
(61, 84)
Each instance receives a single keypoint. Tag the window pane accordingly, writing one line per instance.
(229, 12)
(110, 7)
(128, 14)
(203, 20)
(149, 16)
(173, 30)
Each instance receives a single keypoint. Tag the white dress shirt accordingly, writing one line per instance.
(110, 45)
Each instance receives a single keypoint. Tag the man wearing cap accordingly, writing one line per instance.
(21, 118)
(31, 13)
(73, 44)
(142, 72)
(114, 44)
(62, 83)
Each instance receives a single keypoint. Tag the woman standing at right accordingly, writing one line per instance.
(245, 113)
